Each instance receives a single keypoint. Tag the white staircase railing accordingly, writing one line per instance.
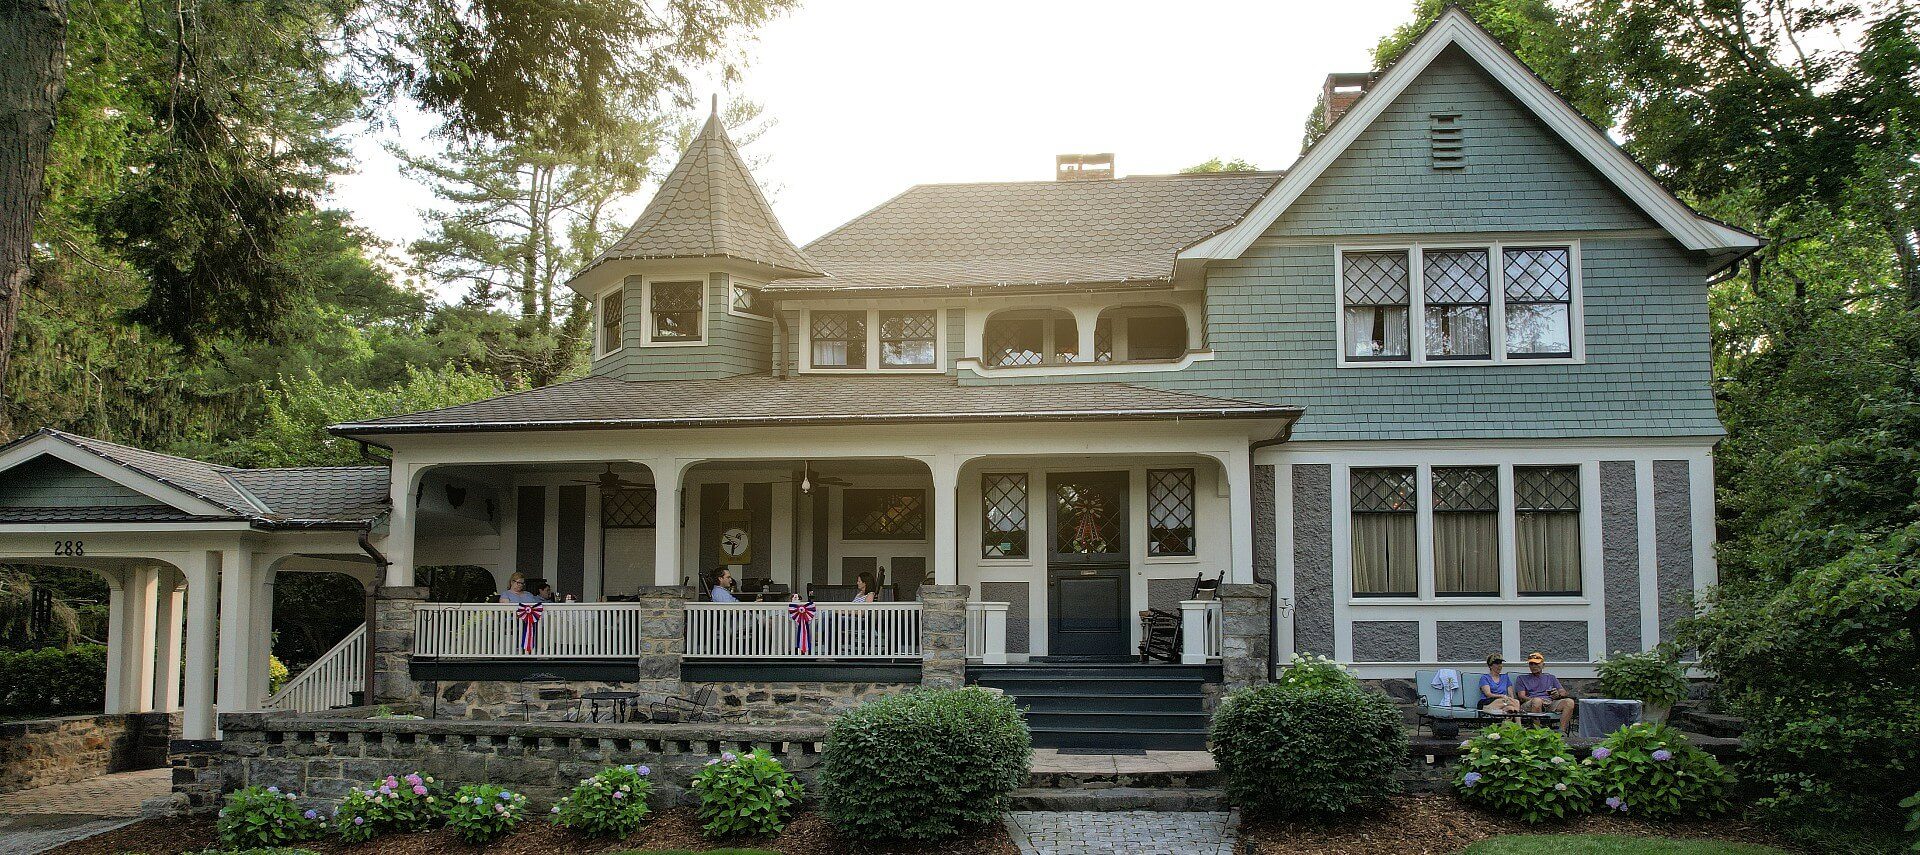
(987, 633)
(837, 631)
(330, 681)
(1202, 631)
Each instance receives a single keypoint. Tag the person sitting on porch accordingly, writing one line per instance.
(1496, 689)
(1542, 692)
(722, 591)
(863, 589)
(516, 592)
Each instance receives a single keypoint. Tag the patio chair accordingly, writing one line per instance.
(1160, 636)
(1443, 720)
(703, 706)
(533, 695)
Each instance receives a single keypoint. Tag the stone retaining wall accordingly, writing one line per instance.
(74, 748)
(323, 756)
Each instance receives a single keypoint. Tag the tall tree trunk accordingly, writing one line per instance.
(33, 49)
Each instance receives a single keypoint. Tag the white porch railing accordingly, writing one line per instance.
(1200, 631)
(987, 633)
(330, 681)
(838, 631)
(492, 631)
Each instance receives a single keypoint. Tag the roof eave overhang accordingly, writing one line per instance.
(826, 289)
(598, 275)
(1691, 229)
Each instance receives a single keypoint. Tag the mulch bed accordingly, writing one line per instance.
(1441, 825)
(678, 828)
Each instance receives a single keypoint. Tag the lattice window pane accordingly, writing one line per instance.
(676, 310)
(883, 514)
(1377, 491)
(1003, 508)
(1015, 342)
(1539, 275)
(907, 339)
(904, 325)
(1103, 340)
(1546, 488)
(748, 300)
(838, 339)
(1376, 278)
(1170, 512)
(1456, 276)
(1466, 488)
(627, 508)
(611, 307)
(1090, 518)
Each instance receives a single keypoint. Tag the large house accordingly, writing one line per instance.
(1438, 390)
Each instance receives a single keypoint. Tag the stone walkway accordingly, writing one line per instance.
(39, 819)
(1123, 832)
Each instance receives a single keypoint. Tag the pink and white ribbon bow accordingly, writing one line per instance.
(529, 617)
(803, 615)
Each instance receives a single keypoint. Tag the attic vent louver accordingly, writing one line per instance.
(1448, 142)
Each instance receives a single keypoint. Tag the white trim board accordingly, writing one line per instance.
(1455, 27)
(132, 479)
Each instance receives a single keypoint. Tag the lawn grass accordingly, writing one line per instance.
(1594, 844)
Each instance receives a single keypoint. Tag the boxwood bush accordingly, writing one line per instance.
(1651, 771)
(1525, 772)
(924, 764)
(1288, 751)
(53, 680)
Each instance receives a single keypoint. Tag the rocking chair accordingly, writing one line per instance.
(1160, 630)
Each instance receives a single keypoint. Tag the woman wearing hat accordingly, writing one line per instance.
(1496, 688)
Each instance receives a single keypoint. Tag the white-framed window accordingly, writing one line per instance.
(1452, 303)
(675, 311)
(609, 321)
(877, 340)
(748, 301)
(1489, 530)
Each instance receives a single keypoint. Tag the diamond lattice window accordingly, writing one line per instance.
(1003, 508)
(1546, 528)
(1539, 292)
(748, 300)
(1546, 488)
(1457, 286)
(1103, 340)
(1376, 287)
(1016, 341)
(907, 339)
(1090, 518)
(1170, 512)
(838, 339)
(1466, 488)
(883, 515)
(676, 311)
(611, 307)
(1383, 520)
(1384, 491)
(627, 508)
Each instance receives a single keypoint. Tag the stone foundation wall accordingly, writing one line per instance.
(756, 702)
(74, 748)
(321, 757)
(797, 703)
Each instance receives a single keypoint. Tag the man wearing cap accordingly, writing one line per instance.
(1541, 692)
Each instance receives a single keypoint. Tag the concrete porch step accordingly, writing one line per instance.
(1166, 799)
(1120, 737)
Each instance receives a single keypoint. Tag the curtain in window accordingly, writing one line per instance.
(1376, 287)
(1547, 550)
(1383, 552)
(1466, 530)
(1457, 288)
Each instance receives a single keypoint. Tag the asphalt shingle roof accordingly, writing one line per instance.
(319, 493)
(807, 399)
(1031, 233)
(709, 206)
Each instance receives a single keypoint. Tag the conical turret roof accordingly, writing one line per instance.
(710, 207)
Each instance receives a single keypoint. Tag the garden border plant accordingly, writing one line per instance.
(746, 794)
(1527, 773)
(1654, 677)
(1651, 771)
(924, 764)
(265, 818)
(1312, 749)
(610, 803)
(396, 803)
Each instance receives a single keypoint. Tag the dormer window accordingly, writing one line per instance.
(839, 339)
(907, 339)
(675, 311)
(612, 307)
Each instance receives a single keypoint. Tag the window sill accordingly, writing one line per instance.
(695, 342)
(1466, 602)
(1171, 559)
(1068, 369)
(818, 369)
(1343, 362)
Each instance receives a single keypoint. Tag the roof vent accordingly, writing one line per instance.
(1448, 141)
(1082, 167)
(1342, 90)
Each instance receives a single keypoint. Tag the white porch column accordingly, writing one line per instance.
(1193, 631)
(142, 588)
(1238, 472)
(946, 548)
(261, 631)
(236, 623)
(203, 600)
(167, 624)
(116, 640)
(399, 544)
(666, 520)
(1086, 319)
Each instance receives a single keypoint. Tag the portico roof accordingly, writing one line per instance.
(762, 400)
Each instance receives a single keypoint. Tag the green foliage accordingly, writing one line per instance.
(1525, 772)
(264, 817)
(394, 804)
(1584, 844)
(1217, 165)
(480, 813)
(265, 850)
(745, 794)
(53, 680)
(612, 803)
(924, 764)
(1653, 677)
(1912, 804)
(1651, 771)
(1308, 751)
(299, 409)
(1316, 672)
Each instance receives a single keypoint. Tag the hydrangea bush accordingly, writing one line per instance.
(266, 817)
(395, 803)
(612, 803)
(1651, 771)
(1315, 672)
(924, 764)
(1525, 772)
(483, 812)
(745, 794)
(1654, 678)
(1298, 751)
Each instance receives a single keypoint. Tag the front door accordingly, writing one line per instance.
(1087, 564)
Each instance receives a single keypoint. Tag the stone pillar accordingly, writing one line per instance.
(663, 637)
(392, 635)
(943, 636)
(1244, 646)
(198, 772)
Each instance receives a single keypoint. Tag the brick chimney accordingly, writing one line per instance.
(1342, 89)
(1082, 167)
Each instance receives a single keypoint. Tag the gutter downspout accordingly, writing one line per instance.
(780, 334)
(1272, 583)
(381, 563)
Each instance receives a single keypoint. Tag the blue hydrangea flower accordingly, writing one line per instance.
(1470, 779)
(1662, 755)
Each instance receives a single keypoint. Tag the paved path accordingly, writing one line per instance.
(1048, 760)
(1122, 833)
(39, 819)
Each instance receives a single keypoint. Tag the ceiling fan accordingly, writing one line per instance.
(610, 481)
(808, 480)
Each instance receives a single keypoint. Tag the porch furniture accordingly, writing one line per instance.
(619, 704)
(1443, 719)
(537, 690)
(1600, 717)
(1530, 719)
(1159, 636)
(703, 706)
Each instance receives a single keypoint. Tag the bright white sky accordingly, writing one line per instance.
(869, 97)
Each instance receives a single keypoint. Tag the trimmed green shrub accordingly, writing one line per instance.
(409, 803)
(612, 803)
(1315, 672)
(1525, 772)
(484, 812)
(745, 794)
(53, 681)
(1651, 771)
(1653, 677)
(1297, 752)
(924, 764)
(265, 817)
(1912, 804)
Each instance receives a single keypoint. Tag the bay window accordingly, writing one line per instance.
(675, 311)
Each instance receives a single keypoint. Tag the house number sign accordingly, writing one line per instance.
(69, 547)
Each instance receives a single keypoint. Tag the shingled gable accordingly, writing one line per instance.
(710, 207)
(1455, 27)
